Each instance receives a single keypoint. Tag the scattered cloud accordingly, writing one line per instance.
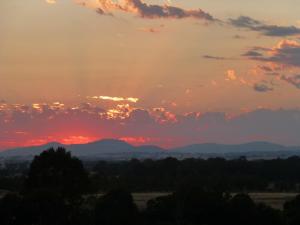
(253, 82)
(145, 10)
(231, 75)
(268, 30)
(252, 53)
(262, 87)
(281, 62)
(286, 52)
(292, 79)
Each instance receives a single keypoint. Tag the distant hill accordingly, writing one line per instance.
(100, 148)
(110, 149)
(29, 151)
(241, 148)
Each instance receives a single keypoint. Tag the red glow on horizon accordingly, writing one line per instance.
(135, 140)
(85, 139)
(159, 142)
(77, 140)
(67, 140)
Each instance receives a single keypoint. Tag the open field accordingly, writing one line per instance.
(275, 200)
(3, 193)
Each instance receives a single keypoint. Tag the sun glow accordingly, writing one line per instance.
(136, 140)
(116, 99)
(66, 140)
(78, 140)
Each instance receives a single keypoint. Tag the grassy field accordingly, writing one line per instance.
(276, 200)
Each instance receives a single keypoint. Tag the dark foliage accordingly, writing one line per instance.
(9, 209)
(199, 207)
(56, 192)
(239, 175)
(116, 208)
(292, 211)
(56, 171)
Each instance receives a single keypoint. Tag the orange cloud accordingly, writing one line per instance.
(77, 140)
(51, 1)
(144, 10)
(231, 75)
(135, 140)
(116, 99)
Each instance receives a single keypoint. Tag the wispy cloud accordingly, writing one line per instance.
(216, 57)
(259, 26)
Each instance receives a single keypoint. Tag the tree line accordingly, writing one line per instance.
(238, 175)
(58, 190)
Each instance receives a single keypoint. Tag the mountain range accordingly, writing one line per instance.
(111, 149)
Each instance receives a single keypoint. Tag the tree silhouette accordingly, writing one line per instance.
(9, 209)
(43, 207)
(116, 208)
(57, 171)
(242, 210)
(292, 211)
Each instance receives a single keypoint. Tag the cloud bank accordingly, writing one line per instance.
(40, 123)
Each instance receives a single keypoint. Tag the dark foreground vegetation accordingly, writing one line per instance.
(57, 189)
(240, 175)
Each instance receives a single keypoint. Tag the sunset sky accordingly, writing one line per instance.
(163, 72)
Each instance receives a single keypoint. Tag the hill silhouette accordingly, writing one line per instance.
(118, 149)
